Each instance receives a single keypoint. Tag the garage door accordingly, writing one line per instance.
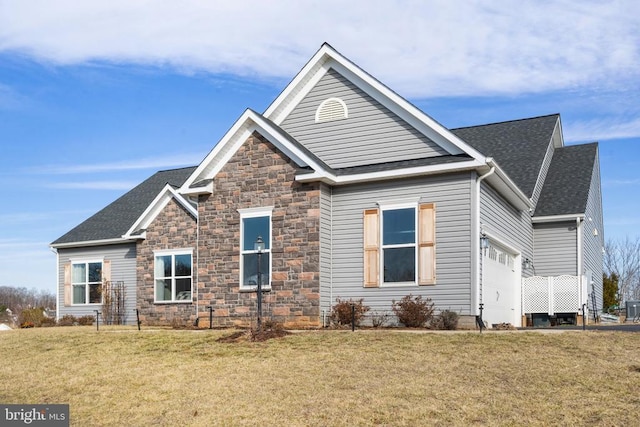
(500, 287)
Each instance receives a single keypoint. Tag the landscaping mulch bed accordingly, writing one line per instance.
(252, 335)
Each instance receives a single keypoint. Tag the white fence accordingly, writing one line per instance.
(561, 294)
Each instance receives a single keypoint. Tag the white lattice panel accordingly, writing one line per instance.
(566, 294)
(535, 295)
(551, 294)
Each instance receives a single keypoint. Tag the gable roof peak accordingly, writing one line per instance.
(327, 58)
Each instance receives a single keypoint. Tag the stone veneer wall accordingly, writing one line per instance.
(258, 175)
(174, 228)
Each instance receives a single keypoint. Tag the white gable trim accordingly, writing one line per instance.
(153, 210)
(246, 125)
(333, 179)
(327, 58)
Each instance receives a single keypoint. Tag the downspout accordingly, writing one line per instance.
(330, 250)
(579, 257)
(57, 276)
(478, 227)
(197, 267)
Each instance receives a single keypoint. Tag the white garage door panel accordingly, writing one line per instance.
(500, 287)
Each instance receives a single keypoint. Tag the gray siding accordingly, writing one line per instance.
(555, 249)
(371, 133)
(325, 246)
(510, 225)
(452, 196)
(592, 245)
(123, 268)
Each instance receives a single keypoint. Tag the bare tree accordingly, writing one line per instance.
(18, 299)
(622, 258)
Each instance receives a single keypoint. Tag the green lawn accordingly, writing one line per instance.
(119, 376)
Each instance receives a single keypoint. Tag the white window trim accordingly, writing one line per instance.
(395, 206)
(86, 261)
(255, 213)
(172, 252)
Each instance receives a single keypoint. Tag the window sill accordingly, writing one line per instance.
(254, 289)
(399, 284)
(173, 302)
(91, 304)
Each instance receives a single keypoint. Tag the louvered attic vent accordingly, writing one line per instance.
(331, 109)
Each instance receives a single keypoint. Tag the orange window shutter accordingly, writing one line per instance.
(371, 248)
(106, 271)
(427, 244)
(67, 285)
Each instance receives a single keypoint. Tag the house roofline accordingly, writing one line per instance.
(86, 243)
(154, 209)
(243, 128)
(333, 179)
(326, 58)
(557, 218)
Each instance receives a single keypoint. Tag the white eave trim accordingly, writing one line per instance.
(242, 129)
(557, 218)
(154, 209)
(507, 188)
(115, 241)
(333, 179)
(194, 191)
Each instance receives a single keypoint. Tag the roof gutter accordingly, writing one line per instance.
(557, 218)
(91, 243)
(501, 182)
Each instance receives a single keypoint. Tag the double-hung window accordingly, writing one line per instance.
(173, 276)
(86, 282)
(399, 245)
(255, 223)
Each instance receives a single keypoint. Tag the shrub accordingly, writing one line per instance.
(446, 320)
(379, 319)
(86, 320)
(48, 321)
(32, 316)
(67, 320)
(341, 312)
(413, 312)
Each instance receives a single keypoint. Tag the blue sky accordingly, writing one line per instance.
(97, 96)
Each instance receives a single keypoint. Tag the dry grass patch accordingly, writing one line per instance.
(120, 376)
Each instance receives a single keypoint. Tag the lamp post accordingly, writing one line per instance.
(258, 246)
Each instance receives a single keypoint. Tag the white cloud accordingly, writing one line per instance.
(421, 49)
(155, 163)
(620, 182)
(602, 129)
(93, 185)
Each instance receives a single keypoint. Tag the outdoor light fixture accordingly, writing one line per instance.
(526, 263)
(258, 246)
(484, 242)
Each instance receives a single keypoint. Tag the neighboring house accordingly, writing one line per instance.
(356, 193)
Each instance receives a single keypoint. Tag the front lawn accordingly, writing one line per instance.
(119, 376)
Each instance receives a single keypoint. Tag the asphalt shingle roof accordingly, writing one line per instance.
(566, 188)
(115, 219)
(519, 146)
